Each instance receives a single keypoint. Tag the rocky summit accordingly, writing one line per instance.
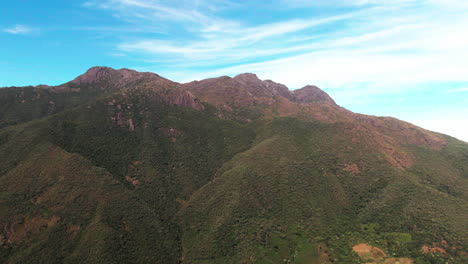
(118, 166)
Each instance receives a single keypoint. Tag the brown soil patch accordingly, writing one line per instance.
(132, 180)
(444, 243)
(351, 168)
(398, 261)
(73, 229)
(440, 248)
(375, 255)
(323, 253)
(183, 203)
(370, 253)
(427, 249)
(18, 232)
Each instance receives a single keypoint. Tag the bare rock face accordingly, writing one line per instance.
(242, 90)
(221, 91)
(120, 78)
(312, 94)
(278, 89)
(182, 98)
(261, 88)
(94, 74)
(247, 89)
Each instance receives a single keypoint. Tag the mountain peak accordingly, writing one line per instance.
(94, 74)
(120, 78)
(260, 87)
(312, 94)
(247, 77)
(246, 88)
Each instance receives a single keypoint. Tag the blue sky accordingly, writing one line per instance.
(401, 58)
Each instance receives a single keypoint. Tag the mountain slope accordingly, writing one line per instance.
(134, 168)
(21, 104)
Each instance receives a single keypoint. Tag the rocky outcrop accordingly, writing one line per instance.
(99, 74)
(94, 74)
(247, 89)
(117, 79)
(182, 98)
(312, 94)
(261, 88)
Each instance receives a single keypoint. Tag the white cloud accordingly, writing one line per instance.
(407, 48)
(400, 3)
(232, 45)
(117, 54)
(419, 57)
(18, 29)
(189, 13)
(418, 48)
(321, 3)
(450, 3)
(384, 48)
(453, 124)
(460, 89)
(383, 42)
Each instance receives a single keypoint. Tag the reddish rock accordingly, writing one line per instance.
(132, 180)
(351, 168)
(93, 75)
(117, 79)
(427, 249)
(261, 88)
(182, 98)
(312, 94)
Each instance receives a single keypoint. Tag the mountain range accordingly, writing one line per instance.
(120, 166)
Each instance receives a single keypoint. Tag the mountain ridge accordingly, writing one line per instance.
(267, 88)
(128, 167)
(233, 95)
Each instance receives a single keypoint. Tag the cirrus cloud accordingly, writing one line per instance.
(18, 30)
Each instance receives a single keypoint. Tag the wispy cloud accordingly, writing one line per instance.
(399, 3)
(18, 29)
(460, 89)
(189, 13)
(233, 45)
(341, 3)
(117, 54)
(118, 29)
(381, 43)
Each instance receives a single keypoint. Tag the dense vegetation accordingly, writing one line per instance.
(121, 176)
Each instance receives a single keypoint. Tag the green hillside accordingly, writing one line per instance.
(130, 167)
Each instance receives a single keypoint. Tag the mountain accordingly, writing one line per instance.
(119, 166)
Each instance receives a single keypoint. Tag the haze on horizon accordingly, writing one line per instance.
(401, 58)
